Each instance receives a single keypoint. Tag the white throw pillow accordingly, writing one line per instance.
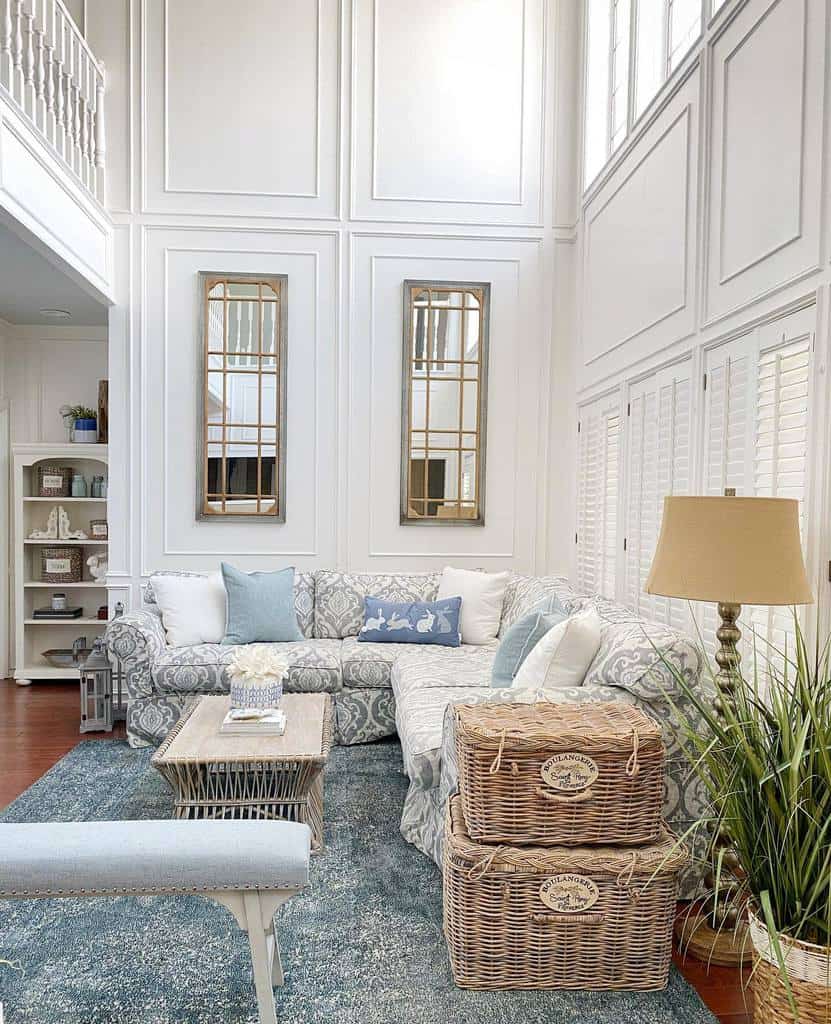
(193, 608)
(562, 657)
(482, 594)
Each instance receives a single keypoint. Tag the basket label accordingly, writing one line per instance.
(56, 565)
(569, 894)
(52, 481)
(569, 773)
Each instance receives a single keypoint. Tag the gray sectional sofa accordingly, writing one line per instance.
(381, 689)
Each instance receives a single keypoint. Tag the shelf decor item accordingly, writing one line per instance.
(542, 774)
(98, 529)
(79, 486)
(764, 761)
(82, 423)
(256, 673)
(96, 680)
(61, 565)
(558, 917)
(103, 411)
(54, 481)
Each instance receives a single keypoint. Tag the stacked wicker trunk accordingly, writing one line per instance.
(558, 872)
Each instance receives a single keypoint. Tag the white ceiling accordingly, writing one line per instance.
(29, 283)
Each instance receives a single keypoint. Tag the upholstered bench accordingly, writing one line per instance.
(251, 867)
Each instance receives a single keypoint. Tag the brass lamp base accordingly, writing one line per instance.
(728, 658)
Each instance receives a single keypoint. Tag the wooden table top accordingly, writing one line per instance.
(199, 739)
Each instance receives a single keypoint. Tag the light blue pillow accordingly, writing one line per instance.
(412, 622)
(260, 606)
(520, 639)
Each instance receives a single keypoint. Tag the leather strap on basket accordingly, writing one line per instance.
(633, 765)
(565, 798)
(568, 918)
(624, 878)
(483, 866)
(497, 761)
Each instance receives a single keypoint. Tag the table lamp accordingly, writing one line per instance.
(731, 551)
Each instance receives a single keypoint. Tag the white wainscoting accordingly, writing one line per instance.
(516, 381)
(270, 149)
(171, 536)
(765, 169)
(448, 111)
(639, 244)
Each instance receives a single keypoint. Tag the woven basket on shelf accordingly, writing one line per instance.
(54, 481)
(553, 773)
(809, 976)
(60, 565)
(558, 917)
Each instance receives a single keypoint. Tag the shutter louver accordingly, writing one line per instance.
(597, 496)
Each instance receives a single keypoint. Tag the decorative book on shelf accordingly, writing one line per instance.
(64, 613)
(254, 722)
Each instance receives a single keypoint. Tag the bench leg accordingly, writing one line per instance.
(260, 960)
(254, 911)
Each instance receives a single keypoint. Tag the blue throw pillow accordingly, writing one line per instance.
(412, 622)
(260, 606)
(520, 639)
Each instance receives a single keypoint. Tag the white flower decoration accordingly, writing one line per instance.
(257, 663)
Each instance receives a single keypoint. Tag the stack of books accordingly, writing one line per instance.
(61, 613)
(254, 722)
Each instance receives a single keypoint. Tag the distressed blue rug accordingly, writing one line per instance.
(363, 945)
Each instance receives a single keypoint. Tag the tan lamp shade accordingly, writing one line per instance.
(734, 550)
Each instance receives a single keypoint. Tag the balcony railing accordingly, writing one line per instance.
(52, 76)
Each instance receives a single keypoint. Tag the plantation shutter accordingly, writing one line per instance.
(781, 451)
(658, 464)
(756, 407)
(597, 495)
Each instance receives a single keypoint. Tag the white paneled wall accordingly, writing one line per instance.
(350, 145)
(704, 293)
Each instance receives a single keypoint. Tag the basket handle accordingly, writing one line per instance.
(565, 798)
(568, 918)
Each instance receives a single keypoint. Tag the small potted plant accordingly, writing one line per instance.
(765, 762)
(82, 423)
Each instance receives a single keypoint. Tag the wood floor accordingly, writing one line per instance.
(39, 724)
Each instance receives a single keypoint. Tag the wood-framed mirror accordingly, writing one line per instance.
(444, 402)
(241, 431)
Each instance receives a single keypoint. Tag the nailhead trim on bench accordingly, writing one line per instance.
(157, 891)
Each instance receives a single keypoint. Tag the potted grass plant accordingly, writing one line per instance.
(764, 759)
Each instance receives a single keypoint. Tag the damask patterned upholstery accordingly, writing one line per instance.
(362, 716)
(339, 596)
(526, 593)
(314, 666)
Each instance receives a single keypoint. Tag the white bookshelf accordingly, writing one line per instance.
(30, 511)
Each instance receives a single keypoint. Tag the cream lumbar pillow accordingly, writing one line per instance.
(193, 608)
(482, 594)
(562, 657)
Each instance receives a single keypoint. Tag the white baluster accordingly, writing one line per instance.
(60, 130)
(40, 82)
(100, 139)
(51, 71)
(7, 57)
(17, 85)
(77, 156)
(83, 168)
(29, 66)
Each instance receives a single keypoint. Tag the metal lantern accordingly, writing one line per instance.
(96, 690)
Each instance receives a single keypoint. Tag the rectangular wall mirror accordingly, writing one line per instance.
(444, 402)
(242, 428)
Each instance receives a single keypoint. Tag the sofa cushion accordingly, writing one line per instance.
(314, 665)
(526, 593)
(640, 656)
(304, 596)
(339, 597)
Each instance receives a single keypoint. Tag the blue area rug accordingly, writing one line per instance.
(363, 945)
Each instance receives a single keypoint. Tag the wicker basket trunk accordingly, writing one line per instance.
(543, 774)
(809, 978)
(556, 917)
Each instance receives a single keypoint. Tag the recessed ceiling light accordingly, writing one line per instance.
(56, 314)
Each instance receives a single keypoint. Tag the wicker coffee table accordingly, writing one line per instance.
(218, 776)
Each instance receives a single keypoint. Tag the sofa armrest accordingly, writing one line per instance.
(136, 640)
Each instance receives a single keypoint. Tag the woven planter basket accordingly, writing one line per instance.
(557, 917)
(560, 774)
(54, 481)
(809, 976)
